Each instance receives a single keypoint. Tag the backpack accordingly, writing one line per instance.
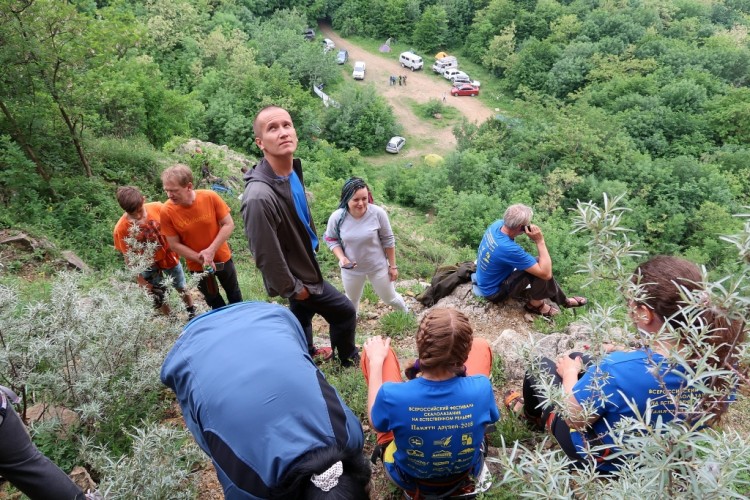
(445, 280)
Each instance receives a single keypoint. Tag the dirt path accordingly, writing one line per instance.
(422, 136)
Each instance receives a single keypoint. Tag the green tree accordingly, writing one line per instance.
(500, 49)
(362, 120)
(431, 32)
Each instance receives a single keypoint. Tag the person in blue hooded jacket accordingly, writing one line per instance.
(256, 403)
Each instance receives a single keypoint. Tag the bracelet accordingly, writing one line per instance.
(393, 267)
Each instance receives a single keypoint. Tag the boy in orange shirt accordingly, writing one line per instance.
(197, 224)
(146, 216)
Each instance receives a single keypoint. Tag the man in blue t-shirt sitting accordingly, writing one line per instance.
(505, 269)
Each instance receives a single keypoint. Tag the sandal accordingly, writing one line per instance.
(511, 399)
(571, 302)
(549, 312)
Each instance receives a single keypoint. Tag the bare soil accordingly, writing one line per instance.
(421, 86)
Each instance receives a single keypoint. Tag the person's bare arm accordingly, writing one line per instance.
(543, 268)
(182, 250)
(226, 226)
(390, 253)
(569, 369)
(377, 350)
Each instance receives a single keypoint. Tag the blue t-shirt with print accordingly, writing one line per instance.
(300, 203)
(438, 427)
(626, 377)
(498, 256)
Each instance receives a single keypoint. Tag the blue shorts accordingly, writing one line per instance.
(156, 276)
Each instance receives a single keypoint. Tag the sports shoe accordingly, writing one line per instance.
(322, 354)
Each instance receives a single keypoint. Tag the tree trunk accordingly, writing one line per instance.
(74, 137)
(19, 137)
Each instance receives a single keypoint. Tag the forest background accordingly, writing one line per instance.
(647, 99)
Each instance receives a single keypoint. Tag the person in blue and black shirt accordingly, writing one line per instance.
(255, 402)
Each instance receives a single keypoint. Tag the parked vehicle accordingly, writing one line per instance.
(309, 34)
(410, 60)
(328, 45)
(342, 56)
(450, 74)
(465, 89)
(461, 79)
(359, 70)
(447, 62)
(395, 144)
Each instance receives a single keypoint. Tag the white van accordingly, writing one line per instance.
(410, 60)
(444, 63)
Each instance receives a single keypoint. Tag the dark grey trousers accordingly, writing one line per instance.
(525, 286)
(27, 469)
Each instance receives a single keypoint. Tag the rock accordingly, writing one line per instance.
(75, 261)
(20, 240)
(83, 480)
(43, 412)
(509, 347)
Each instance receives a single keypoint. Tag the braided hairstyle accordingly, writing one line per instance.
(351, 186)
(663, 279)
(443, 341)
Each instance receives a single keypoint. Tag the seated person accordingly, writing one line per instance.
(629, 376)
(255, 402)
(505, 269)
(433, 426)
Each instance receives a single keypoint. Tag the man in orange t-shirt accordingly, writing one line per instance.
(146, 217)
(197, 224)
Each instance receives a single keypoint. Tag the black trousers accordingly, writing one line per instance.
(525, 286)
(27, 469)
(542, 415)
(228, 279)
(340, 314)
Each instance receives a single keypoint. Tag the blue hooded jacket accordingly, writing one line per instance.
(252, 396)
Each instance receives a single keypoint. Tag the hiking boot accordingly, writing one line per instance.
(322, 354)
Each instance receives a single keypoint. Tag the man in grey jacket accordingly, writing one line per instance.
(282, 236)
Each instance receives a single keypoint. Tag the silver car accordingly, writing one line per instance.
(395, 144)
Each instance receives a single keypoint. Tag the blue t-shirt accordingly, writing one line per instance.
(498, 256)
(626, 377)
(252, 396)
(300, 203)
(438, 427)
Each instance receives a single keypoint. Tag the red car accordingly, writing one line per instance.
(465, 89)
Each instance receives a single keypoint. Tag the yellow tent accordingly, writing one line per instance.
(433, 160)
(440, 55)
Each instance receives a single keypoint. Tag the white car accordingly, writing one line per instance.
(328, 45)
(395, 144)
(452, 74)
(359, 70)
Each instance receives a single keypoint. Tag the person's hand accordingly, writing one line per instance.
(376, 348)
(535, 233)
(393, 273)
(206, 257)
(567, 367)
(345, 263)
(304, 294)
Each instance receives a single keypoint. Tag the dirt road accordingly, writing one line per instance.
(422, 136)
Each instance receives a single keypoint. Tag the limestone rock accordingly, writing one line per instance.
(75, 261)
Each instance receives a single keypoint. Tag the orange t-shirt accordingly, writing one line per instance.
(164, 257)
(197, 225)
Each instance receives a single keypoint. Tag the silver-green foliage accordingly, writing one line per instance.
(682, 458)
(88, 350)
(158, 467)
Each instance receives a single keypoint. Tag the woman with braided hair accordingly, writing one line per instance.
(359, 235)
(645, 377)
(432, 427)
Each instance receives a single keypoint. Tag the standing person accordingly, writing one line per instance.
(23, 464)
(145, 217)
(399, 80)
(433, 426)
(282, 237)
(197, 224)
(359, 235)
(643, 378)
(275, 428)
(404, 80)
(505, 269)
